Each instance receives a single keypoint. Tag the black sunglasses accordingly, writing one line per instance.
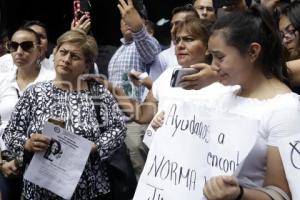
(13, 46)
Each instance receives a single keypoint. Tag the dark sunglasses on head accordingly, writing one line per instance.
(13, 46)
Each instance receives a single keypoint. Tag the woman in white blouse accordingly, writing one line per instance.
(247, 51)
(255, 62)
(25, 50)
(191, 47)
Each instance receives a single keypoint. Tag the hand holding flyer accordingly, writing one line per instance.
(59, 168)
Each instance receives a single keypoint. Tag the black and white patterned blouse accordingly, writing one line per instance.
(43, 101)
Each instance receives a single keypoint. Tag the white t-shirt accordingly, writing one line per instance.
(163, 91)
(278, 117)
(9, 92)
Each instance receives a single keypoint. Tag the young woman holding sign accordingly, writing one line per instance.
(255, 62)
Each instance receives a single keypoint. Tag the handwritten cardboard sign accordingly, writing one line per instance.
(194, 144)
(290, 153)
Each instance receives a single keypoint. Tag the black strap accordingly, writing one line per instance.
(96, 101)
(18, 93)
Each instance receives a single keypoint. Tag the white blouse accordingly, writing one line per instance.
(10, 93)
(278, 117)
(7, 63)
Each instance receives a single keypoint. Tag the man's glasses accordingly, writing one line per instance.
(13, 46)
(289, 33)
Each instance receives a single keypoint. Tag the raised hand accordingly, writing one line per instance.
(130, 15)
(84, 23)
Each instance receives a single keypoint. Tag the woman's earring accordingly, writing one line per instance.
(38, 62)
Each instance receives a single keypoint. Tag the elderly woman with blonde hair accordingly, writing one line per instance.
(68, 98)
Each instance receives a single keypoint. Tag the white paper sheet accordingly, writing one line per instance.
(60, 167)
(290, 154)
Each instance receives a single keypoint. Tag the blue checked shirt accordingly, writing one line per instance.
(135, 54)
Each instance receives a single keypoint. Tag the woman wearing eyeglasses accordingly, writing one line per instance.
(289, 26)
(26, 54)
(6, 61)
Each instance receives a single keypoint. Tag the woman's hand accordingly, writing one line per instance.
(37, 142)
(158, 120)
(9, 168)
(222, 188)
(84, 24)
(203, 78)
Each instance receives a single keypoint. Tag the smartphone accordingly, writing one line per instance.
(221, 3)
(80, 8)
(178, 73)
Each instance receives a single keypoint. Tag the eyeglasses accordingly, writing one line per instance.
(13, 46)
(289, 33)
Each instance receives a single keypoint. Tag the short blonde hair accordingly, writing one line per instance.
(87, 43)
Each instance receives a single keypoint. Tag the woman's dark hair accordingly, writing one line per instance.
(292, 11)
(30, 23)
(255, 25)
(49, 150)
(37, 37)
(52, 141)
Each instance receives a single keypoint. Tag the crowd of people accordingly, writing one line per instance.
(245, 58)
